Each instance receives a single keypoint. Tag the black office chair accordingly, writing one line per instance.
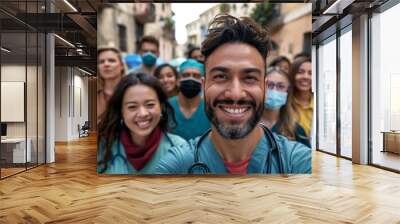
(84, 130)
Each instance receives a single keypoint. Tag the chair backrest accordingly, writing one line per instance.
(86, 125)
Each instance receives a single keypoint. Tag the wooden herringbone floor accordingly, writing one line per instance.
(70, 191)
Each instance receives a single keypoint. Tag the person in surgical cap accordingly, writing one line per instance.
(188, 105)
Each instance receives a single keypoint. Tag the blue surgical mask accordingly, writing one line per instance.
(149, 59)
(275, 99)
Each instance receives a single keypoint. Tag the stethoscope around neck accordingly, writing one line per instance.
(204, 169)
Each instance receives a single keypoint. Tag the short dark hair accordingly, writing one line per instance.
(301, 54)
(157, 72)
(279, 59)
(228, 29)
(149, 39)
(191, 50)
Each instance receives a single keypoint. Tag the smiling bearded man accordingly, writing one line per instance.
(234, 91)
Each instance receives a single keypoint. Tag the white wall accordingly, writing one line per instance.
(33, 126)
(61, 103)
(12, 73)
(71, 94)
(80, 110)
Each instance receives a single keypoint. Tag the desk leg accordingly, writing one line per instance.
(384, 142)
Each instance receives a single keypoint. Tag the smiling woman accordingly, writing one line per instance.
(168, 77)
(301, 97)
(133, 133)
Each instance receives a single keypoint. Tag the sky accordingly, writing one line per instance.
(186, 13)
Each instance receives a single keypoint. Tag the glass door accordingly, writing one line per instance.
(385, 89)
(346, 92)
(327, 96)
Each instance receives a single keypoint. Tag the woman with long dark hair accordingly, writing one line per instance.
(278, 114)
(301, 97)
(133, 135)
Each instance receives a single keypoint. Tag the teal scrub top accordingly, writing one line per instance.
(300, 134)
(296, 158)
(192, 127)
(119, 164)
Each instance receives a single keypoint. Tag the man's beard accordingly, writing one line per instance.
(234, 130)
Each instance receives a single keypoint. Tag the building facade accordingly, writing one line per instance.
(163, 28)
(121, 25)
(197, 29)
(193, 33)
(293, 32)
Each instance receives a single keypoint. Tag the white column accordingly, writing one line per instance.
(50, 98)
(360, 90)
(314, 87)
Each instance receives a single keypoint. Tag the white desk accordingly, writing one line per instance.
(18, 150)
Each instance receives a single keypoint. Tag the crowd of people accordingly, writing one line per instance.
(223, 110)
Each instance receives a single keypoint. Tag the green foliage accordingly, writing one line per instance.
(224, 8)
(169, 23)
(265, 13)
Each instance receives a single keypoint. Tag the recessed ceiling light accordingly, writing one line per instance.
(64, 40)
(5, 50)
(337, 7)
(86, 72)
(70, 5)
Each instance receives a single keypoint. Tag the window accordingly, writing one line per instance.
(122, 37)
(346, 94)
(385, 88)
(307, 43)
(22, 73)
(138, 34)
(327, 96)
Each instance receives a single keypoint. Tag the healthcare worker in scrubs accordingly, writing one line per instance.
(149, 50)
(301, 97)
(234, 91)
(133, 135)
(188, 106)
(278, 115)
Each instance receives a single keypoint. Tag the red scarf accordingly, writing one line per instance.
(136, 155)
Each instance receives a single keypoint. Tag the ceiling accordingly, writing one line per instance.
(326, 14)
(75, 22)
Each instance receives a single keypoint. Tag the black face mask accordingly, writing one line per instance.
(190, 88)
(201, 61)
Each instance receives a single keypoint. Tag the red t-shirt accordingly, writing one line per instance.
(237, 168)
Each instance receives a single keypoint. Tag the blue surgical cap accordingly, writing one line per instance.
(191, 63)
